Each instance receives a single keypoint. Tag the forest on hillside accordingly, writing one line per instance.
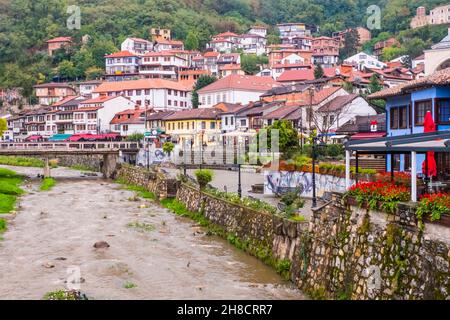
(25, 25)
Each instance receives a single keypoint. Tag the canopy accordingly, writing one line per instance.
(367, 135)
(33, 138)
(59, 137)
(239, 134)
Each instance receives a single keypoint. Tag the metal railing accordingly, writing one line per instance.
(68, 146)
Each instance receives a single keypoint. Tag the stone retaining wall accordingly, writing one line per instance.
(344, 252)
(91, 162)
(354, 253)
(153, 181)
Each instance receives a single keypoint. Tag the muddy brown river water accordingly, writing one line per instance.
(53, 235)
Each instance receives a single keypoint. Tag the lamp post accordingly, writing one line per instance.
(239, 181)
(314, 148)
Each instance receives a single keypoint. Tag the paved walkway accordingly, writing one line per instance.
(228, 181)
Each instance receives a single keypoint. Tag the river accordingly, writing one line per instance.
(53, 235)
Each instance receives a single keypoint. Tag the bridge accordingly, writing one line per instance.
(110, 150)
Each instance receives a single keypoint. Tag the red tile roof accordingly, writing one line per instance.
(121, 54)
(135, 116)
(230, 67)
(296, 75)
(100, 99)
(171, 42)
(240, 82)
(192, 114)
(60, 39)
(225, 34)
(140, 84)
(211, 54)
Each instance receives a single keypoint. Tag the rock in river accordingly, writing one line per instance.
(101, 245)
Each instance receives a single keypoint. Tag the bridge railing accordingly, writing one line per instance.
(65, 146)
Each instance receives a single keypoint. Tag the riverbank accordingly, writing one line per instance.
(153, 253)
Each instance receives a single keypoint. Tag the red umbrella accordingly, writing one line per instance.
(429, 126)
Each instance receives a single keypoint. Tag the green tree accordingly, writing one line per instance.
(287, 136)
(318, 72)
(351, 43)
(168, 147)
(192, 41)
(67, 70)
(374, 85)
(251, 63)
(3, 126)
(93, 73)
(202, 82)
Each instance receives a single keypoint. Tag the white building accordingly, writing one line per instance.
(252, 44)
(258, 30)
(122, 65)
(129, 122)
(363, 60)
(235, 89)
(165, 45)
(86, 87)
(164, 65)
(94, 115)
(340, 110)
(137, 45)
(159, 94)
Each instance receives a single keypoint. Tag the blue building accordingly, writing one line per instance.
(406, 106)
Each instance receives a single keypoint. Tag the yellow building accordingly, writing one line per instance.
(194, 127)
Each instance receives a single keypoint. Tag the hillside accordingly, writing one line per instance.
(25, 25)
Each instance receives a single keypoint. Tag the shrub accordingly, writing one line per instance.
(47, 184)
(168, 147)
(204, 176)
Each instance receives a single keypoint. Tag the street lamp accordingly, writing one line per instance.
(239, 181)
(316, 142)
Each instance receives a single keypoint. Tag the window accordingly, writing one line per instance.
(226, 121)
(420, 109)
(169, 102)
(169, 92)
(402, 117)
(125, 127)
(130, 93)
(243, 122)
(193, 125)
(147, 92)
(187, 125)
(393, 116)
(175, 103)
(212, 125)
(138, 92)
(443, 111)
(209, 99)
(203, 125)
(232, 120)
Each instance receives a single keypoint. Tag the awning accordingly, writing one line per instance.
(33, 138)
(339, 136)
(59, 137)
(239, 134)
(367, 135)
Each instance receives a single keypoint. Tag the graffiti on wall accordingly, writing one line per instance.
(275, 180)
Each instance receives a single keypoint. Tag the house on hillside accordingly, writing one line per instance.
(235, 89)
(49, 93)
(121, 66)
(58, 43)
